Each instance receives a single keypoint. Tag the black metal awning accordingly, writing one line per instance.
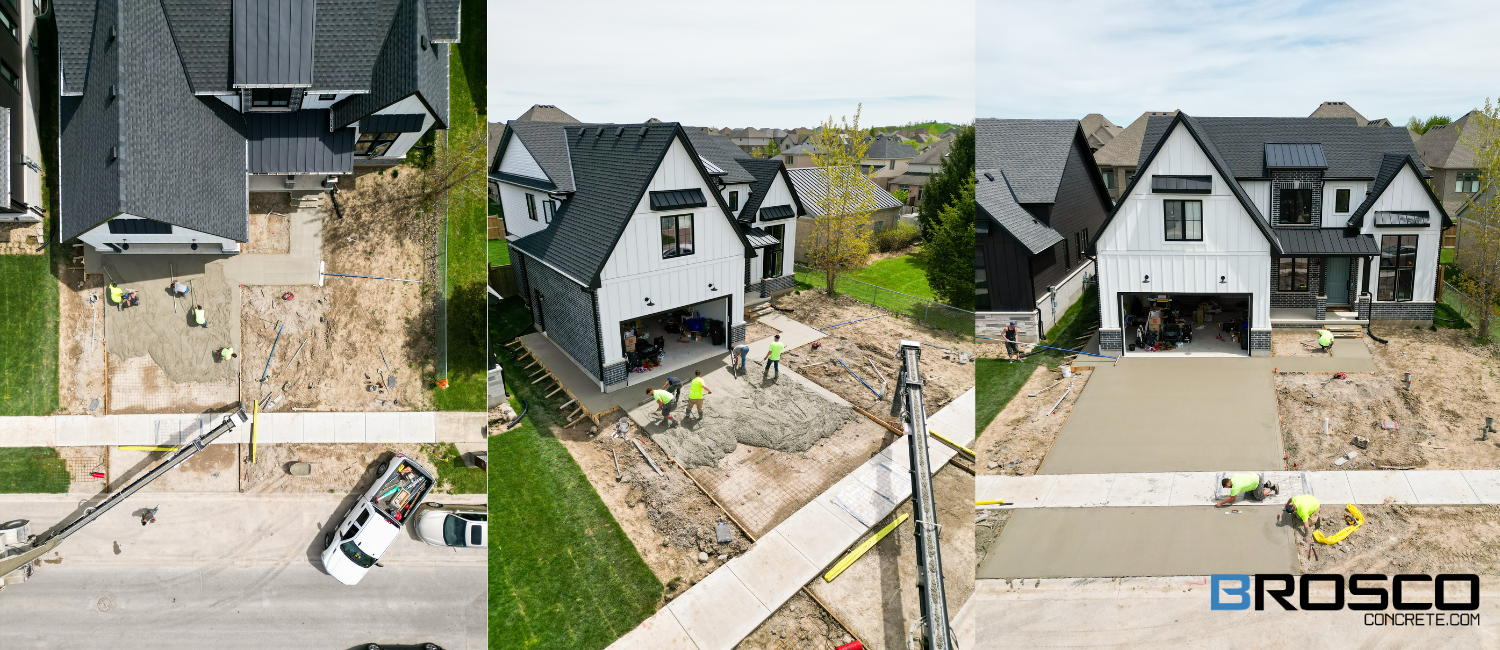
(1325, 241)
(675, 199)
(760, 238)
(777, 212)
(394, 123)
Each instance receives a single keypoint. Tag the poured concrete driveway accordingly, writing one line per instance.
(1171, 415)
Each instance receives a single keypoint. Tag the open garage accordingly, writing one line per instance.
(1185, 325)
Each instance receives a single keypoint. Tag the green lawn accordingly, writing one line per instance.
(467, 270)
(907, 274)
(562, 573)
(996, 381)
(1445, 255)
(453, 476)
(499, 252)
(28, 351)
(1455, 320)
(32, 470)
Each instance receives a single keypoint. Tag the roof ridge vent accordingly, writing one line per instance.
(620, 133)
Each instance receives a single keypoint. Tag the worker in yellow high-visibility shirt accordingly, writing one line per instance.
(773, 356)
(696, 390)
(1325, 340)
(1250, 484)
(226, 353)
(1304, 507)
(664, 403)
(116, 295)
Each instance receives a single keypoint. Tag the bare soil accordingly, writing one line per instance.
(80, 333)
(82, 462)
(337, 468)
(270, 223)
(987, 527)
(668, 518)
(1398, 539)
(20, 238)
(1018, 439)
(1288, 343)
(1454, 386)
(877, 341)
(756, 330)
(800, 624)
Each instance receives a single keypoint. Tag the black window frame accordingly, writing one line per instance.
(734, 201)
(1392, 272)
(274, 98)
(981, 282)
(1108, 176)
(531, 206)
(1341, 199)
(1469, 180)
(327, 97)
(549, 210)
(773, 262)
(11, 25)
(1081, 241)
(10, 75)
(1286, 268)
(1166, 219)
(1067, 254)
(376, 144)
(677, 239)
(1301, 193)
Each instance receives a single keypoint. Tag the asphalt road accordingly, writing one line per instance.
(232, 571)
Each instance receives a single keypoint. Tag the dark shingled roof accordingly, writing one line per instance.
(1325, 241)
(75, 35)
(443, 20)
(886, 146)
(203, 32)
(994, 197)
(1351, 151)
(349, 38)
(182, 158)
(298, 143)
(610, 174)
(407, 65)
(1390, 167)
(723, 152)
(1032, 153)
(547, 143)
(765, 173)
(273, 42)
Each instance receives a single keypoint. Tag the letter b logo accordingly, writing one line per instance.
(1219, 590)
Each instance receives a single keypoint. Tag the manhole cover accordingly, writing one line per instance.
(105, 604)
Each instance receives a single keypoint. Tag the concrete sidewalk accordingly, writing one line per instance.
(310, 427)
(722, 609)
(1413, 487)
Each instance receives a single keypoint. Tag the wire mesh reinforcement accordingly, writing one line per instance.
(933, 314)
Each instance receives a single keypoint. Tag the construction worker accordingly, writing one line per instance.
(664, 403)
(773, 356)
(1325, 340)
(1012, 352)
(1249, 483)
(675, 385)
(696, 390)
(226, 353)
(198, 316)
(740, 356)
(179, 289)
(115, 294)
(1304, 506)
(149, 516)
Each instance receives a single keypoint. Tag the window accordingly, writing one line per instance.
(10, 76)
(1066, 257)
(1184, 220)
(327, 97)
(790, 160)
(1292, 274)
(774, 259)
(877, 226)
(734, 201)
(1296, 206)
(549, 208)
(1081, 241)
(1468, 183)
(10, 25)
(1341, 200)
(1109, 178)
(374, 144)
(1398, 267)
(271, 98)
(531, 206)
(676, 236)
(981, 283)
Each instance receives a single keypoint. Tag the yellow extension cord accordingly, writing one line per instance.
(1359, 520)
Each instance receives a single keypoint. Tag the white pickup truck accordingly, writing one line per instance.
(375, 521)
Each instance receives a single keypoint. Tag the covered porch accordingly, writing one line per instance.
(1321, 278)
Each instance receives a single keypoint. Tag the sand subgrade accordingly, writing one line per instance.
(185, 352)
(777, 413)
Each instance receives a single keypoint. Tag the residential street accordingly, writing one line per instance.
(232, 571)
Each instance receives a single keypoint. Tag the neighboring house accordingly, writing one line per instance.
(752, 140)
(1455, 174)
(1341, 109)
(546, 113)
(1118, 157)
(800, 155)
(172, 112)
(1099, 130)
(920, 170)
(809, 185)
(614, 228)
(1039, 200)
(1281, 222)
(493, 131)
(887, 156)
(21, 182)
(793, 138)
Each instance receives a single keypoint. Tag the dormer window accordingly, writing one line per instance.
(270, 98)
(1296, 205)
(734, 201)
(1468, 183)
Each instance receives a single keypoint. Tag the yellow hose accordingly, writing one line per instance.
(1359, 520)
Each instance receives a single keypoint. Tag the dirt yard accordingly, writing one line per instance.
(1288, 343)
(987, 527)
(80, 333)
(877, 341)
(1454, 387)
(800, 624)
(337, 468)
(270, 223)
(20, 238)
(1018, 439)
(668, 518)
(1409, 539)
(756, 330)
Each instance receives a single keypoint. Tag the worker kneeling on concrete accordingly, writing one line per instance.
(1325, 340)
(227, 353)
(664, 403)
(1252, 485)
(1304, 507)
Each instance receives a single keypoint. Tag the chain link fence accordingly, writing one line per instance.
(1471, 309)
(933, 314)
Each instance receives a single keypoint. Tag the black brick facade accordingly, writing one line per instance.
(1297, 299)
(736, 334)
(1280, 179)
(1111, 340)
(615, 373)
(1322, 308)
(570, 314)
(1260, 340)
(1364, 306)
(1412, 311)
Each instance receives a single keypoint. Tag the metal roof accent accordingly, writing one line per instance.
(1161, 184)
(777, 212)
(711, 167)
(139, 227)
(273, 43)
(760, 238)
(297, 143)
(677, 199)
(1295, 156)
(810, 184)
(1325, 241)
(402, 123)
(1399, 218)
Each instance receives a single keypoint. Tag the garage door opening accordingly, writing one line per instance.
(1186, 325)
(660, 343)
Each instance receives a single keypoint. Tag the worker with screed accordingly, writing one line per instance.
(1250, 484)
(740, 356)
(664, 403)
(696, 390)
(773, 357)
(1304, 506)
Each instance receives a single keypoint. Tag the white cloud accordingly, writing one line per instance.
(1386, 59)
(769, 63)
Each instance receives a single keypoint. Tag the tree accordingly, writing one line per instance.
(945, 186)
(950, 251)
(771, 151)
(840, 242)
(1421, 126)
(1479, 252)
(901, 195)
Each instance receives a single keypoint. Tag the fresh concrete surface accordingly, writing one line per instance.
(185, 352)
(1174, 613)
(232, 571)
(1154, 415)
(1110, 542)
(313, 427)
(299, 265)
(1417, 487)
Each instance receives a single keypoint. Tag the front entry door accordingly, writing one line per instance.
(1337, 282)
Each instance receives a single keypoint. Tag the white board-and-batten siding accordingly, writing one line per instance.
(777, 194)
(1404, 193)
(518, 161)
(1135, 245)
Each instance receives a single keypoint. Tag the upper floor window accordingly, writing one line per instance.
(734, 201)
(374, 144)
(1341, 200)
(1398, 267)
(1296, 205)
(1081, 241)
(10, 25)
(531, 206)
(1109, 178)
(1184, 220)
(676, 236)
(10, 75)
(549, 208)
(1468, 182)
(790, 159)
(270, 98)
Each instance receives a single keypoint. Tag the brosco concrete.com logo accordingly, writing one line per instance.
(1232, 591)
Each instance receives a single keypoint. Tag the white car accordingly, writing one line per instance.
(457, 525)
(375, 521)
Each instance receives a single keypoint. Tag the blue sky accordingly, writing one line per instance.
(1386, 59)
(767, 63)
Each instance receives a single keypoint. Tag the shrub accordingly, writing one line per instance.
(895, 239)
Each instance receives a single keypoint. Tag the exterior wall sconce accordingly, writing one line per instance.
(711, 287)
(649, 303)
(1146, 280)
(1222, 280)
